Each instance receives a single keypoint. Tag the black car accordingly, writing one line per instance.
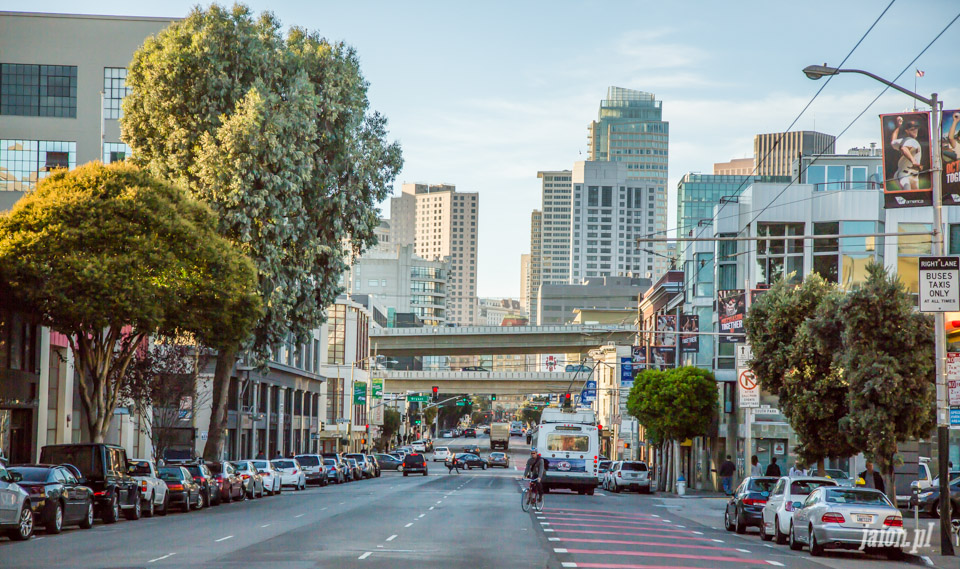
(470, 433)
(414, 463)
(183, 490)
(57, 498)
(746, 504)
(471, 449)
(202, 476)
(227, 481)
(469, 460)
(103, 468)
(929, 500)
(388, 462)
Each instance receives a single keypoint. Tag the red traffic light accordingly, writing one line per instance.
(566, 396)
(436, 389)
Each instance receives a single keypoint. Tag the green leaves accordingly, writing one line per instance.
(674, 405)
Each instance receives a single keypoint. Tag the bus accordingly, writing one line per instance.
(569, 443)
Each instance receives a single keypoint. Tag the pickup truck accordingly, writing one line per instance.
(153, 491)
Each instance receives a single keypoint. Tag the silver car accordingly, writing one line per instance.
(785, 496)
(847, 518)
(16, 516)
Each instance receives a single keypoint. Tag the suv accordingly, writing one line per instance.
(414, 463)
(629, 475)
(104, 468)
(312, 465)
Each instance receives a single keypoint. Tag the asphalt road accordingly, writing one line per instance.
(471, 520)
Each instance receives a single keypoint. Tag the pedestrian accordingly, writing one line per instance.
(872, 479)
(773, 469)
(797, 469)
(755, 468)
(278, 455)
(453, 465)
(260, 455)
(727, 468)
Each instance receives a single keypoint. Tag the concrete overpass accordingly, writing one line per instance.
(499, 382)
(497, 340)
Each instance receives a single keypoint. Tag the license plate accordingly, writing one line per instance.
(863, 518)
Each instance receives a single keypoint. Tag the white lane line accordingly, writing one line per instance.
(545, 529)
(559, 550)
(439, 501)
(365, 555)
(553, 539)
(680, 526)
(718, 540)
(421, 515)
(322, 509)
(223, 538)
(743, 550)
(161, 558)
(544, 523)
(264, 525)
(341, 503)
(697, 532)
(392, 537)
(568, 564)
(768, 545)
(380, 546)
(775, 563)
(431, 507)
(299, 515)
(408, 525)
(654, 515)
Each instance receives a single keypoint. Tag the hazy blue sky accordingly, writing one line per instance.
(484, 95)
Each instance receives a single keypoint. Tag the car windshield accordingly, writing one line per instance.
(441, 449)
(634, 466)
(567, 442)
(32, 473)
(171, 474)
(194, 470)
(283, 463)
(261, 464)
(86, 458)
(307, 460)
(856, 496)
(497, 455)
(330, 461)
(139, 468)
(241, 466)
(761, 484)
(804, 487)
(838, 474)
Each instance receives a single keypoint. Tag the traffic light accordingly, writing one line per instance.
(416, 421)
(366, 428)
(567, 400)
(493, 397)
(363, 441)
(436, 393)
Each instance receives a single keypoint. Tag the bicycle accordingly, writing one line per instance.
(530, 497)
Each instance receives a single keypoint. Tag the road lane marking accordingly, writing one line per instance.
(322, 509)
(408, 525)
(341, 503)
(392, 537)
(421, 515)
(698, 532)
(161, 558)
(264, 525)
(545, 529)
(568, 564)
(439, 501)
(365, 555)
(553, 539)
(776, 563)
(223, 538)
(717, 540)
(299, 515)
(743, 550)
(559, 550)
(431, 507)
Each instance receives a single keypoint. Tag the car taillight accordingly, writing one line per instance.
(198, 478)
(618, 475)
(893, 522)
(788, 506)
(756, 501)
(294, 471)
(833, 518)
(175, 486)
(244, 476)
(143, 486)
(101, 493)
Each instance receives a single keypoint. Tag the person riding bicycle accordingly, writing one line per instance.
(535, 470)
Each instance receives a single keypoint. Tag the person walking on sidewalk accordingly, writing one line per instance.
(773, 469)
(727, 468)
(872, 478)
(755, 468)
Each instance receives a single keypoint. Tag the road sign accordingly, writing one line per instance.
(314, 436)
(343, 420)
(461, 403)
(418, 398)
(954, 417)
(551, 363)
(744, 355)
(939, 284)
(376, 390)
(953, 379)
(748, 389)
(589, 393)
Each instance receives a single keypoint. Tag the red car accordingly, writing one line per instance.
(228, 481)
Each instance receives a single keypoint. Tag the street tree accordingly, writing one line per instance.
(109, 256)
(888, 360)
(389, 429)
(276, 135)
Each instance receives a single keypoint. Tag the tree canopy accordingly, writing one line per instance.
(109, 255)
(674, 405)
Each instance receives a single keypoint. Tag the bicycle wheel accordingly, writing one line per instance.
(538, 505)
(524, 501)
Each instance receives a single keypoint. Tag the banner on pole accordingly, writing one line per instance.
(906, 159)
(689, 337)
(666, 326)
(359, 393)
(950, 154)
(731, 308)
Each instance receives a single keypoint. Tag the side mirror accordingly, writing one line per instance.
(797, 505)
(15, 476)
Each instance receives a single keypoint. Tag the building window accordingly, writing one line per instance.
(779, 258)
(336, 337)
(114, 90)
(38, 90)
(726, 264)
(115, 152)
(704, 272)
(909, 247)
(24, 162)
(593, 196)
(825, 261)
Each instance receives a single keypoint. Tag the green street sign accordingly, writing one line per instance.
(377, 389)
(460, 403)
(417, 398)
(359, 393)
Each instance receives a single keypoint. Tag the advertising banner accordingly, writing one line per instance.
(666, 326)
(626, 372)
(664, 357)
(906, 159)
(376, 390)
(950, 154)
(359, 393)
(689, 337)
(731, 309)
(640, 358)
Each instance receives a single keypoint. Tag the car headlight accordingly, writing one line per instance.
(924, 495)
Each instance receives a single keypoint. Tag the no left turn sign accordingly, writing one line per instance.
(748, 390)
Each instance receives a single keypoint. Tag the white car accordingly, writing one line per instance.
(777, 514)
(270, 475)
(446, 435)
(441, 453)
(153, 491)
(291, 473)
(419, 446)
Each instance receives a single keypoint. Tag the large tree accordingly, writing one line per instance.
(889, 363)
(276, 135)
(109, 255)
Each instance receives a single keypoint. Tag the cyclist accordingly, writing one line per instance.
(535, 471)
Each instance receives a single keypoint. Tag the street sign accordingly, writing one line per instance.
(744, 355)
(376, 390)
(343, 420)
(418, 398)
(589, 393)
(203, 435)
(939, 284)
(953, 379)
(460, 403)
(551, 363)
(314, 436)
(359, 393)
(748, 389)
(954, 417)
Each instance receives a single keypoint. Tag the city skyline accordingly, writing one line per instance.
(489, 126)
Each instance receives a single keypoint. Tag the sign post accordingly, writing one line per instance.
(748, 399)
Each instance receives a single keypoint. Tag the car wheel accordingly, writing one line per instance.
(186, 503)
(165, 506)
(87, 521)
(134, 512)
(740, 525)
(24, 528)
(794, 544)
(590, 491)
(763, 532)
(778, 536)
(816, 550)
(112, 512)
(151, 510)
(55, 524)
(726, 521)
(200, 500)
(229, 497)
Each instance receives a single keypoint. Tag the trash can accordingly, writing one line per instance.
(681, 485)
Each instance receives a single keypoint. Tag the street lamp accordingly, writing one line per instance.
(940, 341)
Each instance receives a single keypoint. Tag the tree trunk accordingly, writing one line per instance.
(821, 467)
(226, 360)
(890, 481)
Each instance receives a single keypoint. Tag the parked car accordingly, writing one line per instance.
(841, 477)
(57, 499)
(204, 477)
(928, 500)
(603, 467)
(183, 489)
(103, 468)
(389, 462)
(270, 475)
(334, 471)
(441, 453)
(499, 459)
(778, 511)
(366, 468)
(313, 468)
(606, 484)
(251, 478)
(290, 473)
(152, 489)
(227, 481)
(414, 464)
(446, 434)
(836, 518)
(349, 473)
(16, 515)
(376, 465)
(355, 469)
(630, 475)
(469, 460)
(746, 504)
(418, 446)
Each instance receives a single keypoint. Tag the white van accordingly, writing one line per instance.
(571, 453)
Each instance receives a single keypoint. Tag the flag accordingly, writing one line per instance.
(920, 73)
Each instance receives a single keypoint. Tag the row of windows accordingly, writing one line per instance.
(24, 162)
(38, 90)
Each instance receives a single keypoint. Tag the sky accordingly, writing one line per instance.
(484, 95)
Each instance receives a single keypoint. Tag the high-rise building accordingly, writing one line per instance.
(630, 130)
(698, 193)
(735, 167)
(525, 283)
(775, 152)
(536, 255)
(444, 226)
(555, 227)
(610, 211)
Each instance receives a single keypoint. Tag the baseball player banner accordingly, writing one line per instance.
(731, 308)
(950, 154)
(906, 159)
(689, 337)
(639, 358)
(666, 328)
(664, 357)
